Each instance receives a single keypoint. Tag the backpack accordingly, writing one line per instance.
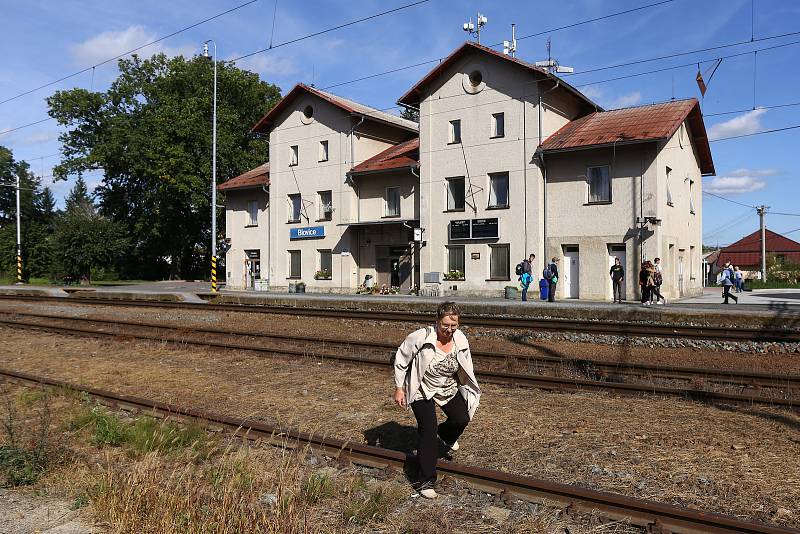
(547, 274)
(519, 269)
(657, 278)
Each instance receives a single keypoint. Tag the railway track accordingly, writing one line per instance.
(650, 515)
(593, 369)
(631, 329)
(188, 336)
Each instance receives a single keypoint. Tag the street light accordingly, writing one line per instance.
(213, 173)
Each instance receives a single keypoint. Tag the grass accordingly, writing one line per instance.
(771, 284)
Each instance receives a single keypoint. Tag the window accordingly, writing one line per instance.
(498, 190)
(294, 158)
(325, 206)
(392, 202)
(308, 112)
(294, 208)
(475, 78)
(599, 180)
(323, 151)
(499, 259)
(691, 196)
(498, 125)
(455, 194)
(455, 260)
(325, 265)
(455, 132)
(669, 189)
(294, 264)
(252, 213)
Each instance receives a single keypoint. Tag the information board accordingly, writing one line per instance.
(485, 228)
(459, 229)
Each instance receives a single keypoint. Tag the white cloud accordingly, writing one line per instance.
(626, 101)
(593, 92)
(39, 138)
(267, 64)
(745, 124)
(739, 181)
(113, 43)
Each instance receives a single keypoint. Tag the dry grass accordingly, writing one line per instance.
(229, 486)
(737, 461)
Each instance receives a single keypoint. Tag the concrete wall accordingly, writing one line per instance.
(310, 176)
(680, 234)
(572, 221)
(509, 89)
(243, 235)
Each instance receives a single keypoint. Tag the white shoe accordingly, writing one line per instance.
(428, 493)
(455, 446)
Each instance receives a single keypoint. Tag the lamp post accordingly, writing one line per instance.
(213, 173)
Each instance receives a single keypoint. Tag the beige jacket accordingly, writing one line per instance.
(414, 356)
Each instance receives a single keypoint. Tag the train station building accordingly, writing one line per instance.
(507, 160)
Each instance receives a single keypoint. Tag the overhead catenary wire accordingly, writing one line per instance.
(155, 41)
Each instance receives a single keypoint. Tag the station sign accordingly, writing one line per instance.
(309, 232)
(474, 229)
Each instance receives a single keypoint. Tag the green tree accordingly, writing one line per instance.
(150, 134)
(410, 114)
(84, 241)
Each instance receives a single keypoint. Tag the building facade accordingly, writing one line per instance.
(508, 160)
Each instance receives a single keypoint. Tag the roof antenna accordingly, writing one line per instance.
(552, 65)
(510, 47)
(472, 29)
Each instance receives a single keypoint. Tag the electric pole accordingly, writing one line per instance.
(761, 210)
(19, 239)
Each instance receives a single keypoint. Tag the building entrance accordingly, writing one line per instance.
(252, 265)
(393, 266)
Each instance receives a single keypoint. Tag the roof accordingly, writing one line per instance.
(349, 106)
(747, 251)
(413, 95)
(399, 156)
(253, 178)
(651, 122)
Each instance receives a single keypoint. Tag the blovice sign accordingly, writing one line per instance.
(309, 232)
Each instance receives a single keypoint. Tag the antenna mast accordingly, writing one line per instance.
(475, 29)
(552, 65)
(510, 47)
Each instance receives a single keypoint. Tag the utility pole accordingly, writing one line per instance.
(761, 210)
(19, 239)
(213, 173)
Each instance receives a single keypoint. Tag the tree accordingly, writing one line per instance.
(410, 114)
(78, 195)
(85, 242)
(150, 134)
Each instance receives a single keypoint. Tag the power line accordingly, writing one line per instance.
(87, 69)
(728, 200)
(785, 214)
(9, 130)
(776, 106)
(756, 133)
(333, 28)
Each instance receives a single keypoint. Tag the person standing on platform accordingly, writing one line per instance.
(617, 274)
(433, 367)
(525, 280)
(738, 279)
(550, 274)
(646, 281)
(658, 279)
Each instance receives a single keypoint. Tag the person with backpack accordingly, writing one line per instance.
(550, 274)
(658, 279)
(525, 267)
(617, 274)
(433, 367)
(525, 280)
(727, 283)
(646, 281)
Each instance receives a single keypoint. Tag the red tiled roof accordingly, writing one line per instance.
(643, 123)
(747, 251)
(349, 106)
(413, 95)
(253, 178)
(399, 156)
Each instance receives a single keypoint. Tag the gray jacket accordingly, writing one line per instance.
(414, 356)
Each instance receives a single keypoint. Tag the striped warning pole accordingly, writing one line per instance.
(213, 274)
(19, 239)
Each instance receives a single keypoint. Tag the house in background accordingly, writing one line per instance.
(746, 253)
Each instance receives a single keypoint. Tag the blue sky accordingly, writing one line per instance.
(46, 40)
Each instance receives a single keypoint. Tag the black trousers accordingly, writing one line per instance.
(726, 294)
(646, 291)
(427, 429)
(551, 291)
(657, 293)
(524, 293)
(617, 290)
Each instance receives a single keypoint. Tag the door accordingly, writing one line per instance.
(571, 273)
(618, 251)
(253, 268)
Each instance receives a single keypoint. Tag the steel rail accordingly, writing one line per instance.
(653, 516)
(496, 377)
(599, 368)
(604, 327)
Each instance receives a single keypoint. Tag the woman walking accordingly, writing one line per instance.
(433, 367)
(646, 281)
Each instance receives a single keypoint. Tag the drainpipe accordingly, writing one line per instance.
(352, 142)
(269, 239)
(414, 251)
(544, 172)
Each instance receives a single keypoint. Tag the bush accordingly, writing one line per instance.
(454, 275)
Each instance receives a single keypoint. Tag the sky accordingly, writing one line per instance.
(48, 40)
